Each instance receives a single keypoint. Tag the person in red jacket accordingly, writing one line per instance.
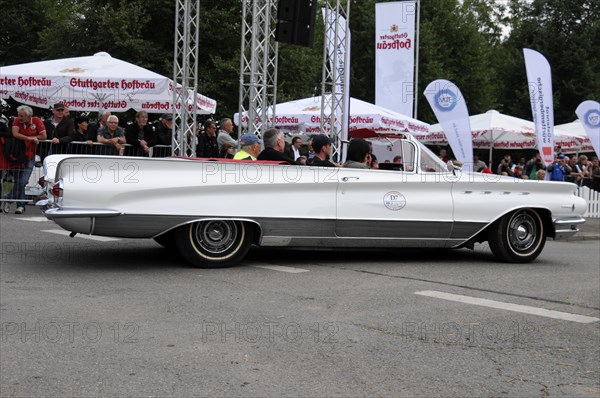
(30, 129)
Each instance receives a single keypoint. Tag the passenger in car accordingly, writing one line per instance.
(227, 151)
(250, 147)
(322, 147)
(397, 163)
(374, 162)
(274, 147)
(358, 154)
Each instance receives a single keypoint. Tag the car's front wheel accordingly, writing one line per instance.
(518, 237)
(214, 243)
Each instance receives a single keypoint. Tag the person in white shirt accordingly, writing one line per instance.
(294, 150)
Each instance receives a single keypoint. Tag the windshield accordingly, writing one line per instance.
(430, 163)
(398, 154)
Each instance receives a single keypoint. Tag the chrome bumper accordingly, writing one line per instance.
(566, 227)
(54, 212)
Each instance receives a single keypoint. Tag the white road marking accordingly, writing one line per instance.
(290, 270)
(90, 237)
(34, 219)
(509, 307)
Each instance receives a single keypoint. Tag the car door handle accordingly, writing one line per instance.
(345, 179)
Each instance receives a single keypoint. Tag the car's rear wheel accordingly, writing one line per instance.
(214, 243)
(518, 237)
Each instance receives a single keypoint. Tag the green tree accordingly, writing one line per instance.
(21, 23)
(460, 40)
(219, 59)
(458, 43)
(362, 65)
(567, 33)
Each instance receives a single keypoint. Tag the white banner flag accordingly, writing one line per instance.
(395, 56)
(588, 113)
(450, 108)
(539, 79)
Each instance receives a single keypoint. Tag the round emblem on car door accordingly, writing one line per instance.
(394, 200)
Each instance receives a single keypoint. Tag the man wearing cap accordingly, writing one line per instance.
(322, 147)
(250, 147)
(59, 129)
(274, 147)
(559, 169)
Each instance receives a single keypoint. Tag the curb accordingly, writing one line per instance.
(580, 237)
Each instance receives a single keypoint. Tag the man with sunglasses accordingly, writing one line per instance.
(207, 141)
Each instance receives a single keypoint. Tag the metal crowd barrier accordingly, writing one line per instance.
(46, 148)
(32, 189)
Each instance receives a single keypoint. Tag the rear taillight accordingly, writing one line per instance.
(57, 190)
(42, 182)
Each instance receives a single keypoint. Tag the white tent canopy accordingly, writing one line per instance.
(572, 137)
(494, 130)
(304, 116)
(92, 83)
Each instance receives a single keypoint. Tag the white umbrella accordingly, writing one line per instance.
(572, 138)
(304, 116)
(494, 130)
(92, 83)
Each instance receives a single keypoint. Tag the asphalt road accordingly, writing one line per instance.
(83, 318)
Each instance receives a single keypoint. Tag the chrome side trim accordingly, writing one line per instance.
(76, 213)
(367, 243)
(208, 219)
(566, 227)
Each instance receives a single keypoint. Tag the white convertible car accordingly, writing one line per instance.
(213, 211)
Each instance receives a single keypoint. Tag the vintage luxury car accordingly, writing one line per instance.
(213, 211)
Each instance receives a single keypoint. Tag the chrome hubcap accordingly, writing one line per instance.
(522, 232)
(216, 236)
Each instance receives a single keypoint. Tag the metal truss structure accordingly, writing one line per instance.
(335, 81)
(185, 76)
(258, 65)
